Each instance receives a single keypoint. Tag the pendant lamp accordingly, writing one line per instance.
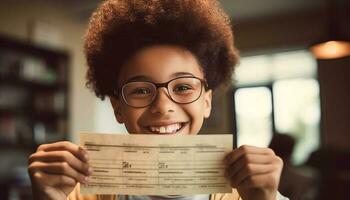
(335, 45)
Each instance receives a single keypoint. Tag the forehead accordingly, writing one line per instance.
(161, 63)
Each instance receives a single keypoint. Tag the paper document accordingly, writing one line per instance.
(156, 164)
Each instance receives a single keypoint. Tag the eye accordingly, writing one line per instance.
(182, 88)
(139, 91)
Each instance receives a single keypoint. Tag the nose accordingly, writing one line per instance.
(162, 103)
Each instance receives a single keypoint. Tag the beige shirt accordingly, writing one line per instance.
(75, 195)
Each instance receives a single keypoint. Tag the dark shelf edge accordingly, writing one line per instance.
(17, 81)
(8, 42)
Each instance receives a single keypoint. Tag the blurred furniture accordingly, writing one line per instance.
(333, 165)
(33, 108)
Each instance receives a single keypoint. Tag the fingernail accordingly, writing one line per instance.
(86, 179)
(86, 157)
(90, 170)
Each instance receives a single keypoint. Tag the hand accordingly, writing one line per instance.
(55, 169)
(255, 172)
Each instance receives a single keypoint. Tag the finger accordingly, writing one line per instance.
(246, 149)
(248, 159)
(232, 170)
(251, 170)
(61, 156)
(58, 168)
(76, 150)
(274, 168)
(53, 180)
(269, 180)
(255, 158)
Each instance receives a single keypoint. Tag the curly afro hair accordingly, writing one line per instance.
(119, 28)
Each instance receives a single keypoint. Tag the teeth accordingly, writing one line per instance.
(166, 129)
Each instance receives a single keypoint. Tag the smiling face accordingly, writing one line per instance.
(160, 64)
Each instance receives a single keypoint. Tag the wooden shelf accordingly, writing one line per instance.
(18, 147)
(28, 103)
(30, 113)
(31, 49)
(32, 85)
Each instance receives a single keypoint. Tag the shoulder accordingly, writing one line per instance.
(226, 196)
(76, 195)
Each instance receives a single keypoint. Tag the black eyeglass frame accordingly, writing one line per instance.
(119, 91)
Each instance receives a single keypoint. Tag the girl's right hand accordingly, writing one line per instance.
(56, 168)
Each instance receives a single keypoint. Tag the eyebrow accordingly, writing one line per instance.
(177, 74)
(146, 78)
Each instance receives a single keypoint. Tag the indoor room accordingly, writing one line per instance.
(289, 90)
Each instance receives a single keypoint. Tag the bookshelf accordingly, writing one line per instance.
(33, 108)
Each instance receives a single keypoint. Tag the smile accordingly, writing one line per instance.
(166, 129)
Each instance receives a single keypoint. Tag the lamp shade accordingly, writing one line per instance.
(337, 43)
(331, 49)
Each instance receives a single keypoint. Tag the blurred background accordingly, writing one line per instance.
(285, 95)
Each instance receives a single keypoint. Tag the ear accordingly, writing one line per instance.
(116, 107)
(207, 103)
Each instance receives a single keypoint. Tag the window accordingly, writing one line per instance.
(253, 115)
(278, 93)
(297, 112)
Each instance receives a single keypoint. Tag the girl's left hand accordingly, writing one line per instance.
(255, 172)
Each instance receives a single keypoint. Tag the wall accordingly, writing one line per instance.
(15, 15)
(288, 31)
(334, 76)
(282, 32)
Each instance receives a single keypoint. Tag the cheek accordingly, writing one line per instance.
(196, 113)
(199, 108)
(194, 110)
(131, 117)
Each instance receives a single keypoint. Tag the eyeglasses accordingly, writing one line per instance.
(182, 90)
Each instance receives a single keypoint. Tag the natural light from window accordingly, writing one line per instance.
(278, 92)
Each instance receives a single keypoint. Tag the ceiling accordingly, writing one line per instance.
(237, 9)
(252, 9)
